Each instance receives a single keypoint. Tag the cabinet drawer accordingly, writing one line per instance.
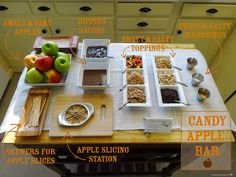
(43, 7)
(85, 8)
(145, 9)
(142, 23)
(138, 37)
(14, 8)
(208, 10)
(72, 27)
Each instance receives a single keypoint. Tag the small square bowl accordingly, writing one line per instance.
(164, 57)
(95, 43)
(94, 66)
(180, 92)
(147, 102)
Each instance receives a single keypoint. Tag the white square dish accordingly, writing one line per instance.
(94, 66)
(159, 87)
(61, 83)
(145, 86)
(94, 43)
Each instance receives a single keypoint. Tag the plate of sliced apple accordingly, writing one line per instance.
(49, 68)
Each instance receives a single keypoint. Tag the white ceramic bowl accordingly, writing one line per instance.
(177, 87)
(93, 66)
(94, 42)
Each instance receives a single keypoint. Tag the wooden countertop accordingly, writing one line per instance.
(119, 137)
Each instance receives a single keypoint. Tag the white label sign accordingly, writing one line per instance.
(158, 125)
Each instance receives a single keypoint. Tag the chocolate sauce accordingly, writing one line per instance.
(96, 52)
(94, 77)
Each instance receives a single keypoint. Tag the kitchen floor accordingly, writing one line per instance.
(41, 170)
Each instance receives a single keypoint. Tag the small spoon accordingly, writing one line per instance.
(124, 70)
(186, 104)
(123, 105)
(177, 68)
(103, 84)
(181, 83)
(122, 88)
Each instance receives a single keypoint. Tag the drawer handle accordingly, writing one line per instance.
(212, 11)
(145, 9)
(44, 31)
(142, 24)
(57, 31)
(43, 8)
(2, 8)
(85, 8)
(179, 32)
(141, 40)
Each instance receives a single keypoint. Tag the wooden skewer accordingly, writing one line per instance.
(42, 107)
(35, 111)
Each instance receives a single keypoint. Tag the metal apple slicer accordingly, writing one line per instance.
(76, 114)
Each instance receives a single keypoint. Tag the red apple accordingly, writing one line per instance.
(44, 63)
(53, 76)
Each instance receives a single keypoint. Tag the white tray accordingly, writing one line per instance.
(59, 84)
(177, 87)
(145, 85)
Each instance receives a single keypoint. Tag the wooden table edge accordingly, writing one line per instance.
(119, 137)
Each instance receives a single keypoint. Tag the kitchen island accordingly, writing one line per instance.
(144, 146)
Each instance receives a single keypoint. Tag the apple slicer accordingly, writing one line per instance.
(76, 114)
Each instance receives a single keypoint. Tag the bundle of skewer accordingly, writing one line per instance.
(34, 112)
(37, 104)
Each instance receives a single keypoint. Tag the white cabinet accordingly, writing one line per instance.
(85, 19)
(208, 10)
(231, 106)
(144, 22)
(18, 34)
(119, 21)
(3, 80)
(211, 17)
(73, 25)
(208, 40)
(225, 67)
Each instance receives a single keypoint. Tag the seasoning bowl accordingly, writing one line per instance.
(197, 78)
(191, 63)
(203, 94)
(94, 76)
(91, 43)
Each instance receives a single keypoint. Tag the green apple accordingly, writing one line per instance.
(41, 54)
(62, 54)
(50, 48)
(62, 64)
(34, 76)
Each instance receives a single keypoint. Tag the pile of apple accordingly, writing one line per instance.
(49, 66)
